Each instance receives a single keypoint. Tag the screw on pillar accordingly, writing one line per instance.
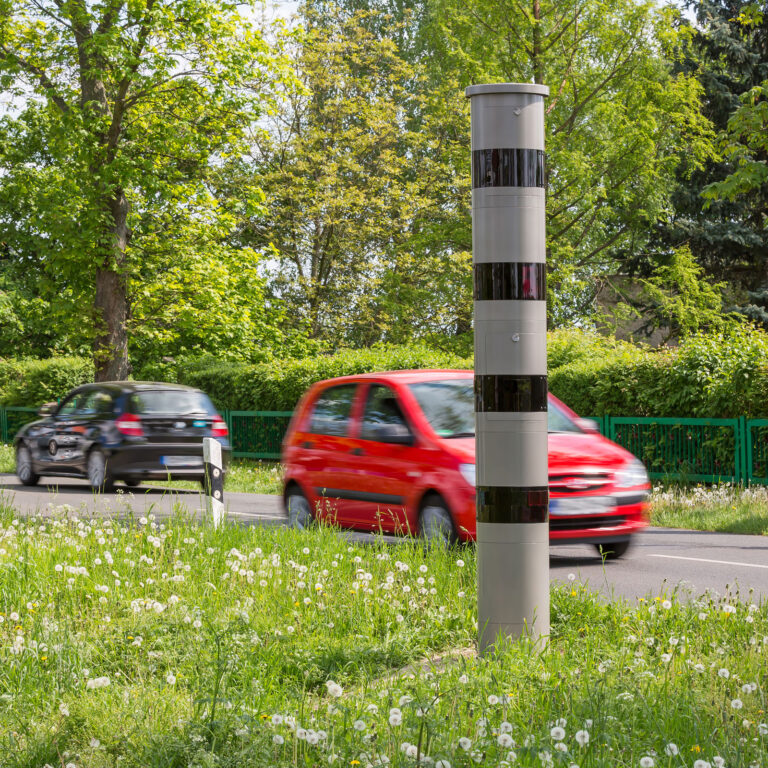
(214, 479)
(509, 262)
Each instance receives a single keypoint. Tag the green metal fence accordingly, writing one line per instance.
(699, 450)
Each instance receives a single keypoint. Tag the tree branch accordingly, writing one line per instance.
(38, 73)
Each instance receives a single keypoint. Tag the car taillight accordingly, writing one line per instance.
(219, 427)
(129, 424)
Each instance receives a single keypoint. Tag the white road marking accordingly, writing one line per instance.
(704, 560)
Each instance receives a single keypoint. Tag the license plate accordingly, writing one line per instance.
(584, 505)
(181, 461)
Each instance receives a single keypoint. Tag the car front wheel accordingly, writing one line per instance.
(98, 474)
(611, 550)
(25, 470)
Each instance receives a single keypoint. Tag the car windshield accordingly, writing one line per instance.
(171, 401)
(449, 408)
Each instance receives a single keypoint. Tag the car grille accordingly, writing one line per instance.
(578, 523)
(576, 482)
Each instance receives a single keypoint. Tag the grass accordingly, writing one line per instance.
(724, 508)
(140, 644)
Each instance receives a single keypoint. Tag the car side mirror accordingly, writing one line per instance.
(47, 409)
(588, 425)
(397, 434)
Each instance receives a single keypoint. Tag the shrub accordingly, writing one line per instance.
(33, 382)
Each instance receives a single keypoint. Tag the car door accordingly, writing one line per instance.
(384, 457)
(76, 428)
(325, 452)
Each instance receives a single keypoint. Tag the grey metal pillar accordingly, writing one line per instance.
(509, 255)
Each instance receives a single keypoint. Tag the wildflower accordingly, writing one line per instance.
(395, 717)
(561, 747)
(493, 700)
(557, 733)
(737, 704)
(94, 743)
(701, 764)
(97, 682)
(442, 764)
(334, 689)
(460, 563)
(63, 710)
(546, 759)
(718, 761)
(505, 727)
(170, 678)
(666, 605)
(412, 750)
(359, 725)
(671, 749)
(504, 740)
(666, 658)
(646, 762)
(582, 738)
(463, 679)
(762, 729)
(465, 743)
(724, 673)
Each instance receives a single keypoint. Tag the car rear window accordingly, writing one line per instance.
(331, 413)
(165, 401)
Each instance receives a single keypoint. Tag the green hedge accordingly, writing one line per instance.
(717, 375)
(34, 382)
(278, 385)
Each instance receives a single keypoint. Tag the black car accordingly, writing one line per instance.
(125, 430)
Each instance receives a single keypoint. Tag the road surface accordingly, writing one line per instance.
(660, 560)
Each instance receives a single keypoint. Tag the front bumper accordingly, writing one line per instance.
(627, 516)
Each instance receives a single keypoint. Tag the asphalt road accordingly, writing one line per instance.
(660, 560)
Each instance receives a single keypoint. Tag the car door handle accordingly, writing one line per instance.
(357, 451)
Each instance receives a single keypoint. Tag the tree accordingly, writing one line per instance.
(618, 122)
(727, 51)
(105, 169)
(351, 186)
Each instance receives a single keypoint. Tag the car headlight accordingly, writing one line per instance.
(631, 475)
(468, 472)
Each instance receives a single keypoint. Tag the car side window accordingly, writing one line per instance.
(382, 415)
(98, 403)
(331, 412)
(72, 405)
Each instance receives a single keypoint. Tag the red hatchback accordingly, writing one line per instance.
(395, 452)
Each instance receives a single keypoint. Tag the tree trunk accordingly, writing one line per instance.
(110, 347)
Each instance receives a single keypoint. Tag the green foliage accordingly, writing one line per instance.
(31, 383)
(107, 170)
(278, 385)
(719, 375)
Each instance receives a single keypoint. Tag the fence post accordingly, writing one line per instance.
(743, 450)
(214, 480)
(3, 426)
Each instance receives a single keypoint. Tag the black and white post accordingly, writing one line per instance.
(509, 261)
(214, 480)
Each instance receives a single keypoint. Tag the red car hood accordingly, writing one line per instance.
(567, 451)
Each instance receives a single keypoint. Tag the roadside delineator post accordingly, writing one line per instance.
(509, 263)
(214, 475)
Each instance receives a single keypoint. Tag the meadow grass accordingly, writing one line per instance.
(148, 643)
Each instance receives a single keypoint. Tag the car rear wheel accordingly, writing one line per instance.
(99, 476)
(132, 483)
(435, 523)
(611, 550)
(299, 510)
(25, 470)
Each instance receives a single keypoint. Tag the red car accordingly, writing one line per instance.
(395, 452)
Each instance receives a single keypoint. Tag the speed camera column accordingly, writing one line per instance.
(509, 262)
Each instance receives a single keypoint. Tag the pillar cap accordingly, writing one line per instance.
(482, 90)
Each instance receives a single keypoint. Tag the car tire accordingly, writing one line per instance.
(612, 550)
(25, 469)
(132, 483)
(299, 510)
(99, 476)
(436, 524)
